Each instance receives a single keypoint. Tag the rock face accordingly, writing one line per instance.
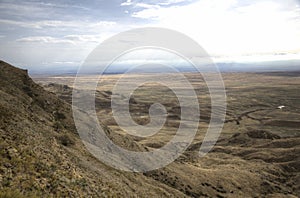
(41, 155)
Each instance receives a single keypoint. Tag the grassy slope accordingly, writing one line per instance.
(41, 153)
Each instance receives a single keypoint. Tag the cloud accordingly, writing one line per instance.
(45, 39)
(40, 9)
(42, 30)
(19, 7)
(126, 3)
(154, 3)
(36, 6)
(58, 24)
(232, 26)
(58, 5)
(68, 39)
(65, 63)
(84, 38)
(147, 6)
(170, 2)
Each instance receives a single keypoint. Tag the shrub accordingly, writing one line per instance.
(13, 193)
(66, 140)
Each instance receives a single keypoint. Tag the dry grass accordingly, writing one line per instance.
(257, 154)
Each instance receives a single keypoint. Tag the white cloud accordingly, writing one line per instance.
(26, 8)
(84, 38)
(127, 3)
(59, 24)
(170, 2)
(57, 5)
(148, 6)
(68, 39)
(45, 39)
(65, 63)
(19, 7)
(229, 27)
(157, 3)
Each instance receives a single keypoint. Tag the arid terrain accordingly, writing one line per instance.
(257, 154)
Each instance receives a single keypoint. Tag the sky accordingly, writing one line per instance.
(61, 33)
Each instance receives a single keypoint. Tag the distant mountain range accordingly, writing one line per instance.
(266, 66)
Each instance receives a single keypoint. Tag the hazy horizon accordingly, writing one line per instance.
(277, 66)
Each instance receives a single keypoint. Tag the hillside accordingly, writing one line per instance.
(41, 154)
